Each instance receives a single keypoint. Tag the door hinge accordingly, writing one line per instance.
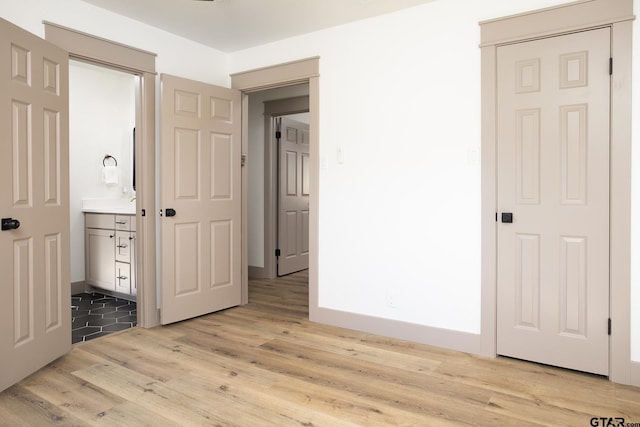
(277, 252)
(610, 66)
(243, 159)
(609, 326)
(278, 134)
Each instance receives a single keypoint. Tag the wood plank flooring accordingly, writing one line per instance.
(265, 364)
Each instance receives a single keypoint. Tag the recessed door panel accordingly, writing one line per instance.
(188, 253)
(21, 64)
(222, 109)
(573, 143)
(51, 157)
(53, 281)
(291, 234)
(573, 286)
(221, 248)
(305, 174)
(305, 232)
(187, 104)
(527, 281)
(528, 156)
(221, 166)
(51, 76)
(187, 163)
(22, 136)
(291, 177)
(23, 297)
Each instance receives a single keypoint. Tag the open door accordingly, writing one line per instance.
(35, 295)
(293, 196)
(200, 198)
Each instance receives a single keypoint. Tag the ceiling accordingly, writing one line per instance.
(232, 25)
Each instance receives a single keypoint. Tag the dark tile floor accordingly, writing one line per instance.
(94, 315)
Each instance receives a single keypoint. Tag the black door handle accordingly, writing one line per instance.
(170, 212)
(10, 224)
(507, 217)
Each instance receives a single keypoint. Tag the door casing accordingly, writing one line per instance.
(617, 14)
(86, 47)
(286, 74)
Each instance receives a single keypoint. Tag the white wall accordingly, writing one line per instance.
(400, 94)
(255, 163)
(102, 117)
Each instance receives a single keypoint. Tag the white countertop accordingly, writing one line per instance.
(109, 206)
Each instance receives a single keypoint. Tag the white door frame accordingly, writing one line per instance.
(286, 74)
(617, 14)
(114, 55)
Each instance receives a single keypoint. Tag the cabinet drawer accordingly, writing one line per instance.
(99, 220)
(125, 222)
(124, 242)
(123, 277)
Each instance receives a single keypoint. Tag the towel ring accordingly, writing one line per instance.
(107, 157)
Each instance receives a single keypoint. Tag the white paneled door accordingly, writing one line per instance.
(200, 198)
(35, 295)
(553, 200)
(293, 197)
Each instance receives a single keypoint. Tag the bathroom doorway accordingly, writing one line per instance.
(102, 119)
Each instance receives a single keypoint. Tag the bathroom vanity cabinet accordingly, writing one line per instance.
(110, 252)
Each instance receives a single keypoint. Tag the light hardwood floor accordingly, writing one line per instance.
(266, 364)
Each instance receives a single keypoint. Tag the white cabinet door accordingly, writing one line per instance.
(100, 258)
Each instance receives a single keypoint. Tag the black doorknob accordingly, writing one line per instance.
(507, 217)
(10, 224)
(170, 212)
